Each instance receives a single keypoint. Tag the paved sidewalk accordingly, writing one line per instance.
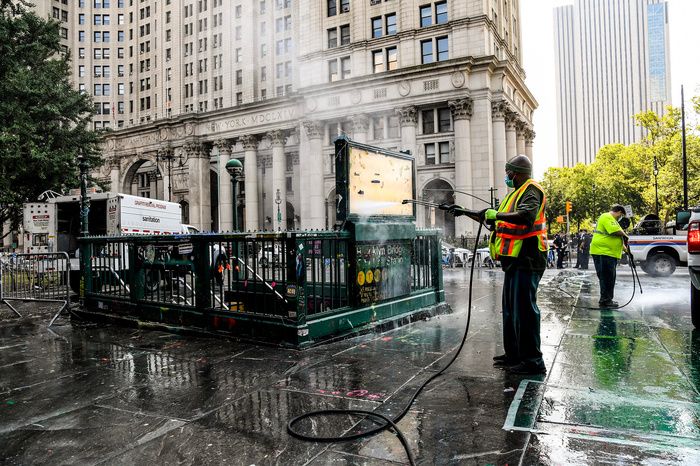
(622, 387)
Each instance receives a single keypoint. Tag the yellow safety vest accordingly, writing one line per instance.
(507, 238)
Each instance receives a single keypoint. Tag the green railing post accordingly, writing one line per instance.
(137, 275)
(202, 272)
(86, 267)
(299, 275)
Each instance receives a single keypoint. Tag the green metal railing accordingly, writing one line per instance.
(257, 284)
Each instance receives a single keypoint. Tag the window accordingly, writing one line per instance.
(426, 16)
(98, 89)
(441, 13)
(332, 38)
(120, 88)
(120, 108)
(81, 88)
(390, 23)
(392, 62)
(81, 36)
(105, 20)
(378, 127)
(376, 27)
(97, 71)
(263, 50)
(81, 71)
(332, 8)
(120, 71)
(239, 77)
(239, 98)
(263, 8)
(344, 67)
(263, 73)
(378, 61)
(344, 6)
(428, 117)
(333, 71)
(239, 55)
(97, 20)
(430, 154)
(97, 54)
(426, 48)
(444, 148)
(81, 52)
(442, 49)
(385, 60)
(120, 36)
(280, 70)
(120, 19)
(345, 34)
(106, 90)
(81, 18)
(444, 120)
(238, 11)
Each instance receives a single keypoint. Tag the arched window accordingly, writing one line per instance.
(185, 211)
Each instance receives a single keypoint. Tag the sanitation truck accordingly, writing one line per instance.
(657, 249)
(54, 225)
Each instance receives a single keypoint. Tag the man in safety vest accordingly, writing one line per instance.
(606, 249)
(519, 241)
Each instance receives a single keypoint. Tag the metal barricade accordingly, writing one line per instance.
(43, 277)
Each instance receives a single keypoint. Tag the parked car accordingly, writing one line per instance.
(693, 218)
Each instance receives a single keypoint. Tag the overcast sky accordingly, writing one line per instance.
(538, 48)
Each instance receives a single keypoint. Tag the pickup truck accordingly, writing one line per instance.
(694, 263)
(657, 249)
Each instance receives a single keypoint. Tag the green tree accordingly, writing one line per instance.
(44, 122)
(625, 174)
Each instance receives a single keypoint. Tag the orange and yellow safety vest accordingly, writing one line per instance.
(507, 238)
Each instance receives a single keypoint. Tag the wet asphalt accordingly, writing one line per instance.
(622, 387)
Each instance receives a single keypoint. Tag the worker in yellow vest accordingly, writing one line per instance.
(519, 241)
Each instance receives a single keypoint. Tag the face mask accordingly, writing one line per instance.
(509, 182)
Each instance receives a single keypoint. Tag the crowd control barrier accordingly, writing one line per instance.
(42, 277)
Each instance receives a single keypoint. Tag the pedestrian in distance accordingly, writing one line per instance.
(606, 249)
(519, 241)
(585, 249)
(560, 244)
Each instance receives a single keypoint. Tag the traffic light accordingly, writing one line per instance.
(568, 206)
(560, 219)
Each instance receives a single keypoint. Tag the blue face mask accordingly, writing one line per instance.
(509, 182)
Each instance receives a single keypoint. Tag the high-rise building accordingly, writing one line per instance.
(612, 62)
(185, 85)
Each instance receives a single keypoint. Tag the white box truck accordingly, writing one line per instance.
(54, 225)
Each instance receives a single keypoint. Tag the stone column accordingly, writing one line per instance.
(313, 167)
(500, 152)
(520, 141)
(279, 182)
(511, 136)
(115, 175)
(360, 126)
(225, 193)
(461, 115)
(408, 118)
(199, 185)
(250, 173)
(481, 131)
(529, 139)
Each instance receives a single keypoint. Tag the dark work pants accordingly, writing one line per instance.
(584, 260)
(560, 258)
(521, 317)
(606, 269)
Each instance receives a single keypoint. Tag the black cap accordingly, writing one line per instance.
(519, 164)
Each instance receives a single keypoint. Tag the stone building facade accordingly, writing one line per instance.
(442, 79)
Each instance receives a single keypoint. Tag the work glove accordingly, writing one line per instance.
(490, 214)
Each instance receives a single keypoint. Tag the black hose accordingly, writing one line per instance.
(388, 422)
(635, 280)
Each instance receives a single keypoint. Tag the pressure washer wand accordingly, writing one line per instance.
(475, 215)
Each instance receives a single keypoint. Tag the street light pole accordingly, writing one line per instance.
(656, 185)
(278, 201)
(84, 199)
(234, 167)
